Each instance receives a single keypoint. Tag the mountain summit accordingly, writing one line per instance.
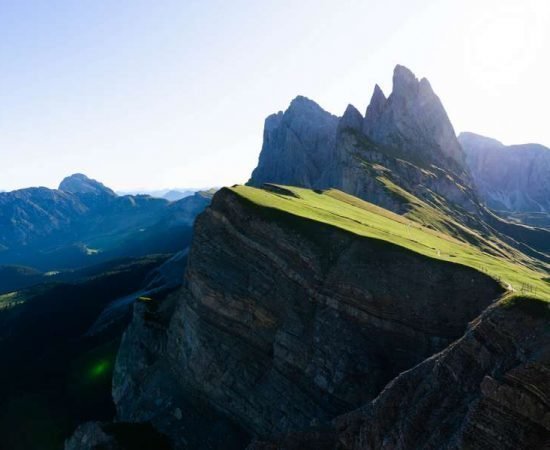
(404, 151)
(79, 183)
(406, 139)
(412, 120)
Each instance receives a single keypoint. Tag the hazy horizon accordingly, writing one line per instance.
(148, 96)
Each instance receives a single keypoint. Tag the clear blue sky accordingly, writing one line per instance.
(165, 93)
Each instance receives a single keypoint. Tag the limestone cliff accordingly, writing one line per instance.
(405, 140)
(487, 390)
(407, 137)
(282, 325)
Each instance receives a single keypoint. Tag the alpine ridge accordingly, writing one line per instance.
(404, 145)
(85, 223)
(406, 137)
(356, 294)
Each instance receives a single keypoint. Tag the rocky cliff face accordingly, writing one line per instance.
(509, 178)
(406, 137)
(487, 390)
(414, 121)
(297, 144)
(283, 324)
(405, 140)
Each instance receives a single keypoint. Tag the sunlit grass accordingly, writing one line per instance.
(349, 213)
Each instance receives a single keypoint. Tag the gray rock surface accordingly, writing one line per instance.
(512, 178)
(408, 136)
(406, 142)
(487, 390)
(297, 144)
(283, 324)
(351, 120)
(413, 122)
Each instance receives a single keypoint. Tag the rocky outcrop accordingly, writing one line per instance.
(414, 123)
(297, 144)
(487, 390)
(406, 141)
(512, 178)
(406, 137)
(283, 324)
(148, 387)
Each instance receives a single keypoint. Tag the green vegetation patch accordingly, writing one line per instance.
(356, 216)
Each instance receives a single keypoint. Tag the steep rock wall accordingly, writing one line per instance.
(487, 390)
(490, 389)
(284, 323)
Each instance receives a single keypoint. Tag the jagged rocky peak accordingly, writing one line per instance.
(305, 115)
(297, 144)
(273, 121)
(352, 119)
(404, 81)
(307, 146)
(413, 120)
(301, 102)
(79, 183)
(375, 109)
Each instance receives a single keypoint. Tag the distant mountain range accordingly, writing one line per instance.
(168, 194)
(511, 178)
(84, 223)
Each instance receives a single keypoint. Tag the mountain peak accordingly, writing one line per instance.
(414, 120)
(352, 119)
(306, 128)
(79, 183)
(375, 108)
(405, 82)
(304, 104)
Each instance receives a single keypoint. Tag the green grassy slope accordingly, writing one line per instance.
(351, 214)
